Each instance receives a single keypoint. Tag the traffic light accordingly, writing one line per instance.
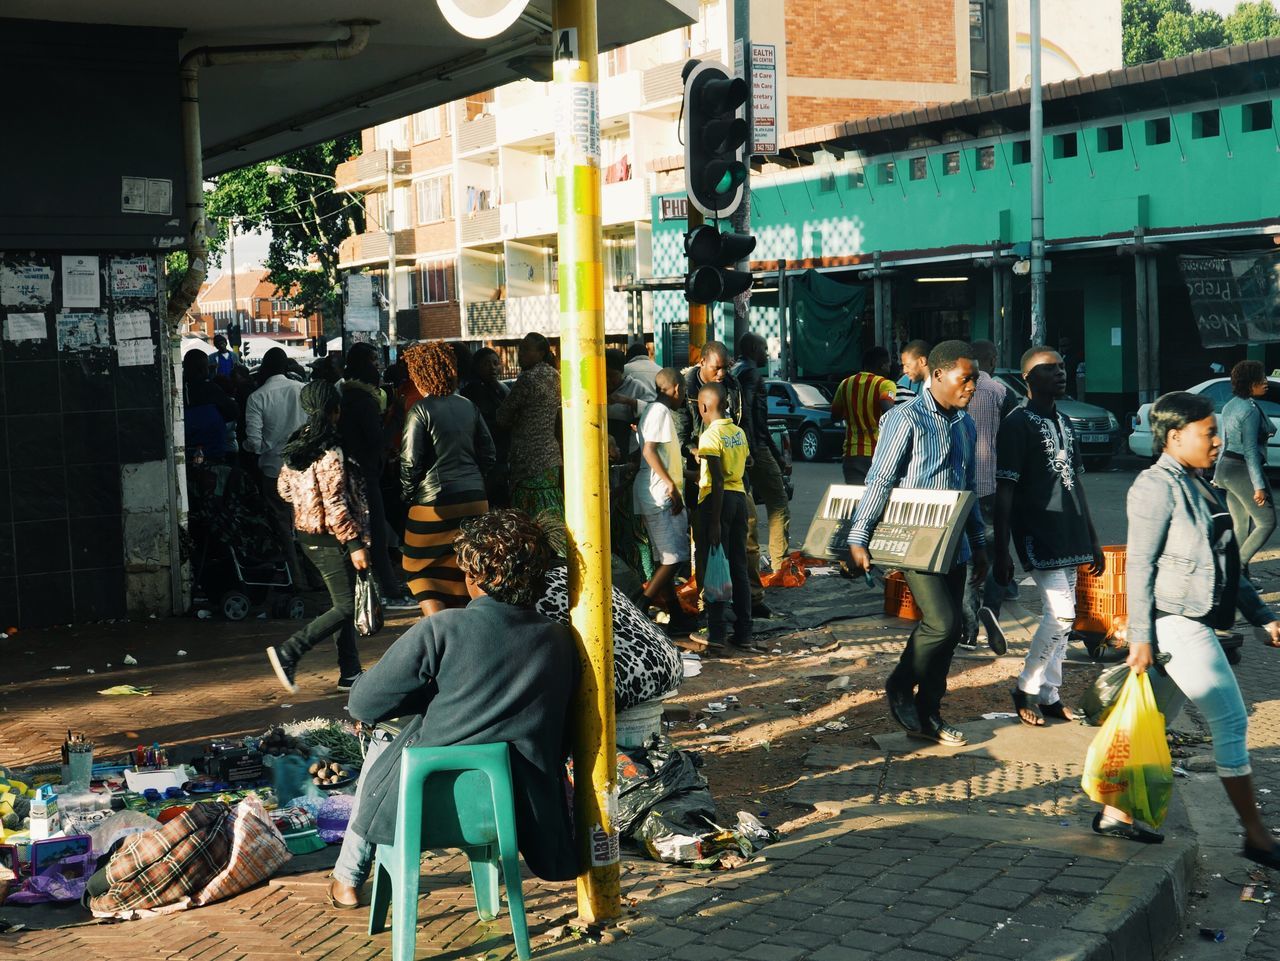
(714, 137)
(711, 257)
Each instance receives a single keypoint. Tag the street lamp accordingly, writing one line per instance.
(279, 171)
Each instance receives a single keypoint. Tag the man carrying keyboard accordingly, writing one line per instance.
(929, 444)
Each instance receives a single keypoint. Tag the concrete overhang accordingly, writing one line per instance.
(414, 60)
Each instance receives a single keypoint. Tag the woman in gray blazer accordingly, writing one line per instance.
(1183, 582)
(1241, 470)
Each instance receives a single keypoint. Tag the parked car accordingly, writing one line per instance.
(806, 411)
(1097, 430)
(1219, 391)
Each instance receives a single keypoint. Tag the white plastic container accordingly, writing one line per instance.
(636, 724)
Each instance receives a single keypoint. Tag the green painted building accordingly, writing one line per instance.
(930, 211)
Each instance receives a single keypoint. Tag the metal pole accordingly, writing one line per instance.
(697, 312)
(1143, 345)
(1037, 184)
(741, 219)
(586, 463)
(1153, 324)
(784, 345)
(231, 252)
(389, 215)
(997, 314)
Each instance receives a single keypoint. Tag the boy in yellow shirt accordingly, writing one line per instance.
(721, 518)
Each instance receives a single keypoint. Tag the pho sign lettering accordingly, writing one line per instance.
(673, 208)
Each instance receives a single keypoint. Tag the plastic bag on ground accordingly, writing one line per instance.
(718, 588)
(1128, 765)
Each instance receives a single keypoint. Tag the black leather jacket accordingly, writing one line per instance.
(755, 409)
(446, 450)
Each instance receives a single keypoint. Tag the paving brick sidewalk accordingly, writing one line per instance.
(979, 854)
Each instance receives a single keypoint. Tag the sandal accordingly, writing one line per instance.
(1028, 711)
(340, 905)
(1268, 859)
(1058, 710)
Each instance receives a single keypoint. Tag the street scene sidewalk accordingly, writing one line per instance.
(890, 849)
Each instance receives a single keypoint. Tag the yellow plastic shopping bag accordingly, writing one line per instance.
(1128, 764)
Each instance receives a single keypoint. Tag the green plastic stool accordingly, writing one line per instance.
(451, 797)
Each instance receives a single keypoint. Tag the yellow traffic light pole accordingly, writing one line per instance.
(586, 463)
(697, 312)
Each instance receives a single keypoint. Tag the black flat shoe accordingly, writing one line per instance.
(746, 647)
(903, 709)
(940, 732)
(996, 640)
(1058, 711)
(1028, 711)
(1268, 859)
(1109, 827)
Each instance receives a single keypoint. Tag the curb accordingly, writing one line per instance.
(1137, 915)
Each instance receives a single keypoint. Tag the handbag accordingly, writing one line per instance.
(368, 605)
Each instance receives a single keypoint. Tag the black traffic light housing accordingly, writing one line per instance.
(711, 257)
(714, 138)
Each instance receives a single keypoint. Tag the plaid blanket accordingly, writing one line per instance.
(257, 852)
(161, 867)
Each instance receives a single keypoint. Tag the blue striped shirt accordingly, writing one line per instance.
(921, 447)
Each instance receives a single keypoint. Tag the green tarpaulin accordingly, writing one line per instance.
(827, 323)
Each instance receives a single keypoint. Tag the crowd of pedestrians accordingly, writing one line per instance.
(396, 471)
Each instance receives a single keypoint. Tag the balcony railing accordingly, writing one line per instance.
(369, 170)
(487, 319)
(481, 226)
(477, 134)
(516, 316)
(371, 247)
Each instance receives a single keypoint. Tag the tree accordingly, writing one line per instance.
(305, 216)
(1156, 29)
(1251, 21)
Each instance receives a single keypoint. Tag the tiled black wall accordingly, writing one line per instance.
(68, 421)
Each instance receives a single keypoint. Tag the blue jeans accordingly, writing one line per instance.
(355, 859)
(1202, 675)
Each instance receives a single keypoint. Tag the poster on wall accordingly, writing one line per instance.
(1235, 300)
(133, 277)
(82, 330)
(26, 285)
(20, 327)
(80, 282)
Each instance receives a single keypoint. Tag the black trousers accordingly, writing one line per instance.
(330, 559)
(855, 469)
(733, 538)
(926, 659)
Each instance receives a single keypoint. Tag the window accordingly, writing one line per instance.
(617, 61)
(1065, 145)
(426, 125)
(1158, 131)
(1205, 124)
(885, 173)
(826, 183)
(436, 279)
(919, 168)
(431, 196)
(1021, 152)
(1219, 393)
(977, 19)
(1110, 138)
(857, 179)
(951, 163)
(1256, 116)
(984, 158)
(392, 135)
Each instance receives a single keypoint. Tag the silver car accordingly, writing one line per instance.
(1097, 430)
(1219, 391)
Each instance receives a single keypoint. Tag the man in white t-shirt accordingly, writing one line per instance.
(658, 495)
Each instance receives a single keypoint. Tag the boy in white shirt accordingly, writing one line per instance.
(659, 498)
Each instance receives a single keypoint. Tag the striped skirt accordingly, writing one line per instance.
(430, 566)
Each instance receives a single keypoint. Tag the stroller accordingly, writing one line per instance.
(237, 562)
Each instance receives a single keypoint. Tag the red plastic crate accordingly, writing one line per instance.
(898, 601)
